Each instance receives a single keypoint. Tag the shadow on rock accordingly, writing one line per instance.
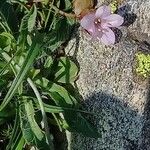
(145, 137)
(129, 17)
(119, 124)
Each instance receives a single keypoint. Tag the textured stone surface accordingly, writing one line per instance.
(110, 87)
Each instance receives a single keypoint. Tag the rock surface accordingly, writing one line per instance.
(110, 87)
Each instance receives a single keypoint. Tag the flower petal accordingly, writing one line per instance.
(108, 37)
(113, 20)
(103, 11)
(97, 34)
(87, 22)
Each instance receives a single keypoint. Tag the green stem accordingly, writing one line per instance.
(14, 132)
(57, 10)
(49, 140)
(48, 15)
(21, 4)
(10, 62)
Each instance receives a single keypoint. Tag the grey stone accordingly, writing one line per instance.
(110, 87)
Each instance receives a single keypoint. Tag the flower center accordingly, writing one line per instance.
(97, 21)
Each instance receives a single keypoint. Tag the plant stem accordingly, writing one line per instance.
(46, 127)
(71, 15)
(14, 131)
(48, 15)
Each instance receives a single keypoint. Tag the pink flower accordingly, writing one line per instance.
(98, 24)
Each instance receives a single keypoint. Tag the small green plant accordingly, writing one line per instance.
(143, 64)
(36, 84)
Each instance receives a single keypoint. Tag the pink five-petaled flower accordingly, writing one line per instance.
(98, 24)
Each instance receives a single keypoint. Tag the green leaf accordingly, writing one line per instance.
(32, 18)
(61, 32)
(59, 109)
(67, 71)
(5, 39)
(8, 14)
(48, 62)
(58, 93)
(32, 53)
(14, 140)
(29, 20)
(32, 133)
(44, 117)
(77, 123)
(2, 83)
(20, 144)
(24, 1)
(7, 112)
(62, 70)
(27, 25)
(66, 5)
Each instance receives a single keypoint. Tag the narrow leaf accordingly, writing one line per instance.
(67, 71)
(32, 133)
(33, 51)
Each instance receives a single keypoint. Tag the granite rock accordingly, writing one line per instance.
(110, 87)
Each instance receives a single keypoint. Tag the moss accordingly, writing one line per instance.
(143, 64)
(114, 6)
